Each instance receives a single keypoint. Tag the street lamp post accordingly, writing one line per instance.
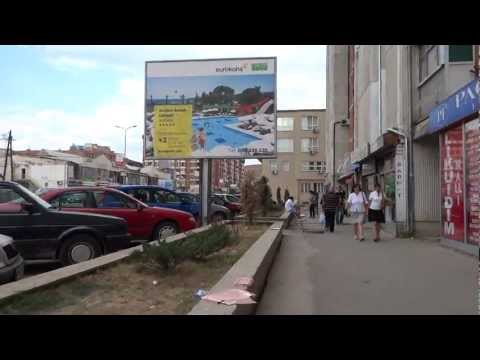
(125, 129)
(343, 123)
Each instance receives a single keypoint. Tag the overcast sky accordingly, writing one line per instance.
(54, 96)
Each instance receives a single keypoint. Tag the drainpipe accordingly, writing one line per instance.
(380, 127)
(411, 182)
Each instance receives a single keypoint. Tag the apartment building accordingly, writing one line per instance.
(301, 164)
(412, 118)
(226, 174)
(186, 174)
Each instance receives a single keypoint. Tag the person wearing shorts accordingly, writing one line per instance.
(375, 211)
(357, 204)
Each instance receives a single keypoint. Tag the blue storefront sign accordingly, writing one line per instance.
(461, 104)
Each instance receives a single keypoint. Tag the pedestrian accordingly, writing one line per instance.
(330, 204)
(375, 210)
(313, 203)
(357, 204)
(341, 208)
(290, 207)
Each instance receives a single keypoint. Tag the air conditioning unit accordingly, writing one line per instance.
(316, 129)
(275, 172)
(313, 151)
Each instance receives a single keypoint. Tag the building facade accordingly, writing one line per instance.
(413, 113)
(301, 163)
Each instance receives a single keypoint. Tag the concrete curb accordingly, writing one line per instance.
(255, 263)
(68, 272)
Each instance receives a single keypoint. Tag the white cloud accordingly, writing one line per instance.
(71, 63)
(58, 129)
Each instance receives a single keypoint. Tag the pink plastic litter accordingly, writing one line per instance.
(231, 297)
(244, 282)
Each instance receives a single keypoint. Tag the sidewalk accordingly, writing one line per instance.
(334, 274)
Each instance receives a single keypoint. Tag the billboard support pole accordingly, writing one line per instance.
(205, 165)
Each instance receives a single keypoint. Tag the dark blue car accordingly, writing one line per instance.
(157, 196)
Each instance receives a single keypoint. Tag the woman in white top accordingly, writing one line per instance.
(357, 204)
(375, 211)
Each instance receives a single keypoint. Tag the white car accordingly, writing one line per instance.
(11, 263)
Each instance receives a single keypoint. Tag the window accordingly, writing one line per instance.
(109, 200)
(318, 187)
(310, 144)
(285, 166)
(161, 196)
(23, 173)
(71, 200)
(274, 165)
(305, 187)
(10, 201)
(459, 53)
(285, 145)
(310, 122)
(141, 195)
(429, 60)
(320, 166)
(284, 124)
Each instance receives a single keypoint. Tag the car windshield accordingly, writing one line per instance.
(35, 197)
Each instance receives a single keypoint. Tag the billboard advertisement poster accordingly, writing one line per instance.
(452, 184)
(223, 108)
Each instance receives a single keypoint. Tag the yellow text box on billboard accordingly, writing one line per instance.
(173, 131)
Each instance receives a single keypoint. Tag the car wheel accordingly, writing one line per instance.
(79, 248)
(218, 216)
(164, 230)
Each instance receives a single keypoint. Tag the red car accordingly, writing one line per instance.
(144, 222)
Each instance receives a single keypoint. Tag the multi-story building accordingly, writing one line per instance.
(186, 174)
(413, 114)
(300, 165)
(226, 174)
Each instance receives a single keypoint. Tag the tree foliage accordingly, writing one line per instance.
(264, 194)
(249, 197)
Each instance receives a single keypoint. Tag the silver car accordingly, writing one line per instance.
(11, 263)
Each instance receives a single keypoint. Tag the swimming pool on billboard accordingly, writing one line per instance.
(218, 134)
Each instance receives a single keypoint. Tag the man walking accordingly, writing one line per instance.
(330, 204)
(341, 207)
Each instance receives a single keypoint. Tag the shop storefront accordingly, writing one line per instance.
(457, 124)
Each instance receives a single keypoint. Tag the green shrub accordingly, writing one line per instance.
(166, 256)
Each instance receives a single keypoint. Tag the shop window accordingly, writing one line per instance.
(460, 53)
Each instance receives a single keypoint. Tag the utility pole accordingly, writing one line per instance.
(8, 153)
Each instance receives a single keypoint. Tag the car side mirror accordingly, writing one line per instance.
(140, 207)
(28, 207)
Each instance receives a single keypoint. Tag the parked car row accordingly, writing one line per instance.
(76, 224)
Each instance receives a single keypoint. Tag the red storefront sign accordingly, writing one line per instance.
(452, 184)
(472, 162)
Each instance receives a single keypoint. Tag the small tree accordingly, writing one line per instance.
(286, 195)
(249, 197)
(264, 194)
(279, 196)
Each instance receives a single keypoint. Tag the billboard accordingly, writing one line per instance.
(223, 108)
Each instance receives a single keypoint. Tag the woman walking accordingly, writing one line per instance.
(375, 211)
(357, 204)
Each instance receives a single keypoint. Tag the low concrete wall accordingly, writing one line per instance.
(255, 263)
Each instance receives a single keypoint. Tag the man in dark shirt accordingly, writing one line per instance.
(330, 203)
(341, 207)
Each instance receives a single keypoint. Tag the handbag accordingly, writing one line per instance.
(321, 218)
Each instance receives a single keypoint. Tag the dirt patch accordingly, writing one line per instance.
(126, 289)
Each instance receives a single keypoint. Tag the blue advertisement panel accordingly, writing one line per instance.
(461, 104)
